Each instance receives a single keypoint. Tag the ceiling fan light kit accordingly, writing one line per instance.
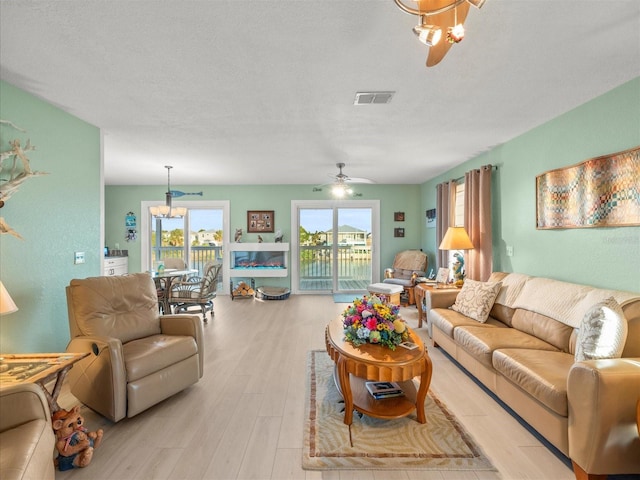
(434, 18)
(428, 34)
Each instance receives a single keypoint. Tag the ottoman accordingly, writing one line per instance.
(389, 290)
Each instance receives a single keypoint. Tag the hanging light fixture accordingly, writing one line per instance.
(428, 30)
(455, 34)
(428, 34)
(167, 210)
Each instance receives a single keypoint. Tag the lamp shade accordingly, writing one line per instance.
(7, 304)
(456, 238)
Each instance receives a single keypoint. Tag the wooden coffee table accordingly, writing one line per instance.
(357, 365)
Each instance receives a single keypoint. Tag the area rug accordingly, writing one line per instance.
(374, 444)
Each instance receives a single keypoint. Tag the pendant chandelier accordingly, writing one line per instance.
(167, 210)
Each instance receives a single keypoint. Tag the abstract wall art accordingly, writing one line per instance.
(600, 192)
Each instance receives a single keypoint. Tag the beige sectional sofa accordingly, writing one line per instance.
(27, 441)
(525, 354)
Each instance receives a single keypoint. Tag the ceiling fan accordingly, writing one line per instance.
(340, 187)
(441, 24)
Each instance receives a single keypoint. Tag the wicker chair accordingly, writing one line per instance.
(196, 291)
(161, 283)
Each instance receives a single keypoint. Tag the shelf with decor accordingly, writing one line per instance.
(259, 259)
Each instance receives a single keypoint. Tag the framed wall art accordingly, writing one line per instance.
(431, 218)
(260, 221)
(600, 192)
(398, 216)
(398, 232)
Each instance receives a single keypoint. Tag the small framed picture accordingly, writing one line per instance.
(409, 345)
(443, 275)
(398, 216)
(260, 221)
(398, 232)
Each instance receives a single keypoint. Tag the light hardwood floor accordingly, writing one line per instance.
(244, 419)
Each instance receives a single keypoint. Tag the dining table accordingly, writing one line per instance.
(165, 280)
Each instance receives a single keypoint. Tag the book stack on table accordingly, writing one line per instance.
(380, 390)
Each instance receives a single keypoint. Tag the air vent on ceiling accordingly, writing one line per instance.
(371, 98)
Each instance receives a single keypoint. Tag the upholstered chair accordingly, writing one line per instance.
(407, 266)
(137, 357)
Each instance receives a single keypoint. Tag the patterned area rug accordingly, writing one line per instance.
(370, 443)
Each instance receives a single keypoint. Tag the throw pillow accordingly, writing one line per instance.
(603, 332)
(476, 299)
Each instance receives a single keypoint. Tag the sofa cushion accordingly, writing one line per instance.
(476, 299)
(151, 354)
(447, 320)
(542, 374)
(480, 342)
(566, 302)
(603, 332)
(27, 451)
(543, 327)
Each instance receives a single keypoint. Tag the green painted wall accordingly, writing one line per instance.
(405, 198)
(56, 214)
(60, 213)
(603, 257)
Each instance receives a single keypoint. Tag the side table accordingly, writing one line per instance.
(433, 298)
(40, 368)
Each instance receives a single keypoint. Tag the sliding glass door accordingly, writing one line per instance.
(194, 240)
(335, 249)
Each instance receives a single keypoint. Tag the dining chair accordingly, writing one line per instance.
(170, 263)
(196, 291)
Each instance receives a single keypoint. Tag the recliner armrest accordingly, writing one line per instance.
(602, 397)
(188, 325)
(100, 380)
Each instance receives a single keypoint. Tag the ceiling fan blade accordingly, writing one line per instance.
(358, 180)
(444, 21)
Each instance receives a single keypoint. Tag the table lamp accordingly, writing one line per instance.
(457, 238)
(7, 304)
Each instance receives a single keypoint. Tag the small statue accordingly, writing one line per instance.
(238, 235)
(74, 443)
(259, 238)
(458, 269)
(278, 236)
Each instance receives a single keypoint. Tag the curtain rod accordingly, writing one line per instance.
(493, 167)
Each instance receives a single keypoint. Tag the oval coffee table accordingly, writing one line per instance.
(357, 365)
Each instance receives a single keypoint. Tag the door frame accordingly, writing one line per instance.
(145, 229)
(374, 205)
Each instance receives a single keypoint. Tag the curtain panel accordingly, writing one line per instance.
(477, 222)
(445, 205)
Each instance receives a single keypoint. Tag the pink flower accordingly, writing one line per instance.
(371, 323)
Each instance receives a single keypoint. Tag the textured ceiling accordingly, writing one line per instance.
(261, 92)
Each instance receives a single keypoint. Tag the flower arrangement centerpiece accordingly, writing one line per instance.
(369, 320)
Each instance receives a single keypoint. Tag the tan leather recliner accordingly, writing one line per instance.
(27, 441)
(138, 358)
